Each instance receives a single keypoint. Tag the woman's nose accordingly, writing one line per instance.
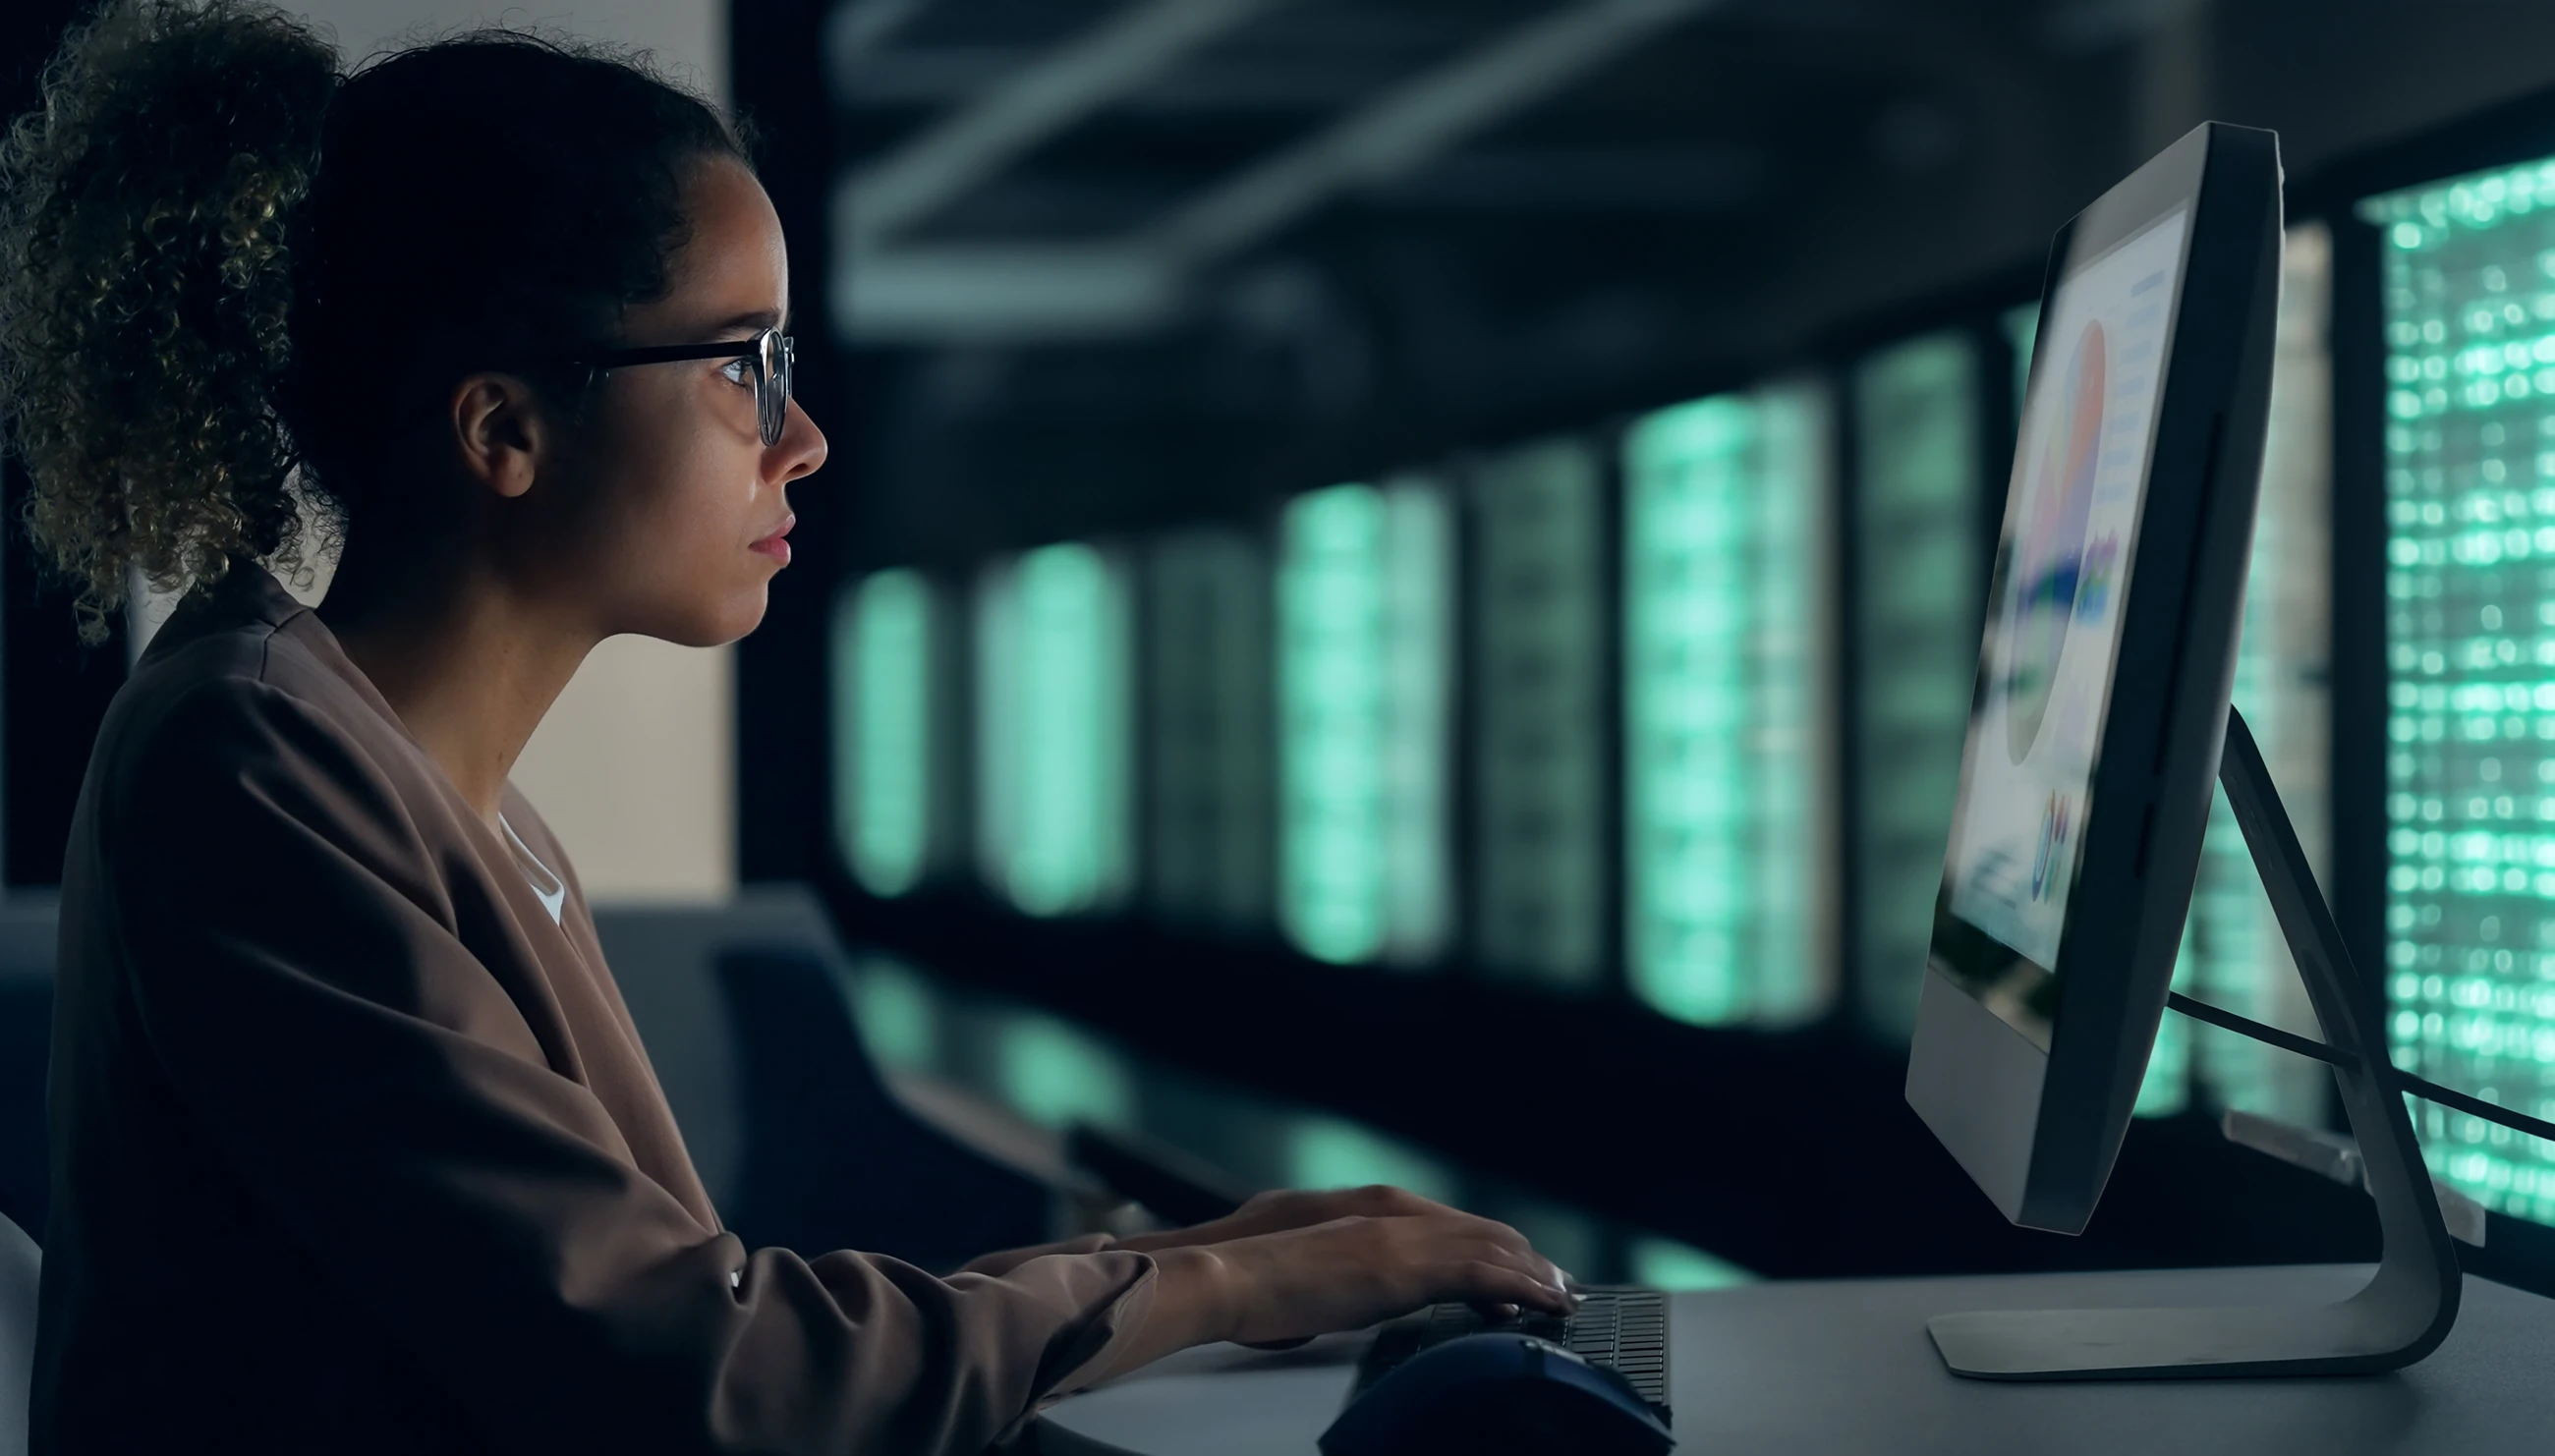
(802, 448)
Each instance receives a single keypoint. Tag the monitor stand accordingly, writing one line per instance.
(2406, 1309)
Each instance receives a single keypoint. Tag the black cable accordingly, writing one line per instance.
(2517, 1122)
(2273, 1036)
(2450, 1097)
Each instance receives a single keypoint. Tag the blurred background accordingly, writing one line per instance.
(1396, 598)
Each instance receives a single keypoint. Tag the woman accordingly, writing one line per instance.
(355, 1146)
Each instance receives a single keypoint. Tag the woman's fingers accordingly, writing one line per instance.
(1480, 1242)
(1349, 1271)
(1488, 1282)
(1508, 1237)
(1514, 1244)
(1489, 1273)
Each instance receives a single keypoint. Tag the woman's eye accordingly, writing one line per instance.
(735, 372)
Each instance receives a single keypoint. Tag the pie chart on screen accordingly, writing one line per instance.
(2049, 566)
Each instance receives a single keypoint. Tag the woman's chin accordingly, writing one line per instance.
(742, 618)
(713, 624)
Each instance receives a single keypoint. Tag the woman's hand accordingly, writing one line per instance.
(1288, 1285)
(1282, 1209)
(1349, 1272)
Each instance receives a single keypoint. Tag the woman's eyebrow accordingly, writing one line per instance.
(760, 318)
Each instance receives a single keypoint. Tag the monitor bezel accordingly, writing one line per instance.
(2038, 1126)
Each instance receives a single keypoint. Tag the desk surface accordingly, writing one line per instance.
(1846, 1368)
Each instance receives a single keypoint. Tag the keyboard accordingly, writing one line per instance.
(1618, 1327)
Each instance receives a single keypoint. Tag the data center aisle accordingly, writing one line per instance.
(1014, 1072)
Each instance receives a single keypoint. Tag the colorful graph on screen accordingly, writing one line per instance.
(2053, 556)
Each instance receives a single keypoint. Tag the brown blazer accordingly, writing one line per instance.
(355, 1150)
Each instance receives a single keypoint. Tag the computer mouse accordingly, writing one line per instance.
(1490, 1394)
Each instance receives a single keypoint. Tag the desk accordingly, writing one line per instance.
(1845, 1367)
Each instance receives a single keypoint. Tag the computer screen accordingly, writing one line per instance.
(2103, 669)
(2233, 955)
(2080, 471)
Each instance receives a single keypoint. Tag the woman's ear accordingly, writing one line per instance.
(498, 427)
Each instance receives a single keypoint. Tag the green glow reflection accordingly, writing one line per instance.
(1056, 1076)
(1326, 1153)
(1665, 1263)
(899, 1019)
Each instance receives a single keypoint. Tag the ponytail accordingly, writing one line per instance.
(145, 286)
(204, 330)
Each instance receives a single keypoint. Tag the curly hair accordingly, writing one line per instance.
(231, 278)
(143, 310)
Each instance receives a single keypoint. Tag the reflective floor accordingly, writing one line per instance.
(1052, 1073)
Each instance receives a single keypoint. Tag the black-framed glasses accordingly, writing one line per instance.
(774, 355)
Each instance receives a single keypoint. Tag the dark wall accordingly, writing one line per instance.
(781, 693)
(52, 692)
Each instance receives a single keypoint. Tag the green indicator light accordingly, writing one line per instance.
(2467, 283)
(1915, 419)
(1054, 718)
(883, 767)
(1325, 1152)
(1726, 799)
(1361, 671)
(1538, 650)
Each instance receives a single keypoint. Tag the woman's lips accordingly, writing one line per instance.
(776, 545)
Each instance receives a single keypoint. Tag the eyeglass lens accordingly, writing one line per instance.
(774, 366)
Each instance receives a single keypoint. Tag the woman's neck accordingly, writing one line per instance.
(470, 665)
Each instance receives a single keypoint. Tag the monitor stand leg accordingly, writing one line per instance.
(2406, 1309)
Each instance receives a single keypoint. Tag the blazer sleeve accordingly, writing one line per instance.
(290, 960)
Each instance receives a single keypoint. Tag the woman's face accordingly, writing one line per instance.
(675, 509)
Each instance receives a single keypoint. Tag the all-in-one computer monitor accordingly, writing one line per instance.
(2094, 743)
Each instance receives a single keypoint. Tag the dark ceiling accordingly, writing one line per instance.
(1109, 263)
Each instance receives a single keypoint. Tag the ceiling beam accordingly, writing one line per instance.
(899, 191)
(1413, 123)
(862, 26)
(1045, 292)
(944, 75)
(1004, 293)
